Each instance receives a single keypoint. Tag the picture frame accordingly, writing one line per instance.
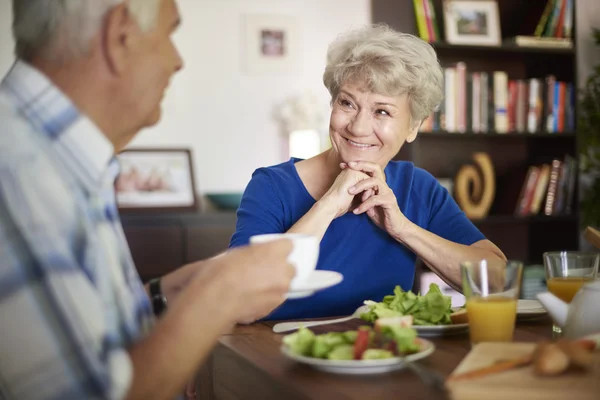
(156, 180)
(472, 22)
(271, 45)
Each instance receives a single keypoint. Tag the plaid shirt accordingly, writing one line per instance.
(71, 301)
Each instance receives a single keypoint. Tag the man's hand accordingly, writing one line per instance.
(257, 277)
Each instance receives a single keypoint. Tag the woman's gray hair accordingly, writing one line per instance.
(391, 63)
(60, 29)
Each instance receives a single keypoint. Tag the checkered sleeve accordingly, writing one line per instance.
(54, 338)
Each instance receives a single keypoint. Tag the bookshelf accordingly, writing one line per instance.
(442, 153)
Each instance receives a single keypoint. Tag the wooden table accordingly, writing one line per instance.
(248, 364)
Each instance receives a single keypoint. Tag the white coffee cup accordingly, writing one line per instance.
(304, 254)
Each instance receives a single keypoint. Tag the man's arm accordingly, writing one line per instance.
(182, 339)
(224, 289)
(57, 332)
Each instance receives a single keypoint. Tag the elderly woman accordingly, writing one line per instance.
(374, 216)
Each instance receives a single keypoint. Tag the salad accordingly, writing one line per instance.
(433, 308)
(390, 338)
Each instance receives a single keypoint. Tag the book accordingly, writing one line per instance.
(421, 19)
(552, 187)
(539, 29)
(500, 79)
(544, 42)
(540, 189)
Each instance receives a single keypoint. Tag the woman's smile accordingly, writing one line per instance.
(359, 146)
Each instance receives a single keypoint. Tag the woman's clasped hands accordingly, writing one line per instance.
(375, 198)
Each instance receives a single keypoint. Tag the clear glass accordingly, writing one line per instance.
(567, 272)
(491, 289)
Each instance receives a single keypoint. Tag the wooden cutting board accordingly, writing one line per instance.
(520, 383)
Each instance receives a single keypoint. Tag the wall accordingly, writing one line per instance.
(6, 42)
(212, 107)
(224, 115)
(588, 54)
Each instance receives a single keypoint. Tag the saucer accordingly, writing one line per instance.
(317, 280)
(529, 309)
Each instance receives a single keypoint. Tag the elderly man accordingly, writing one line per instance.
(75, 319)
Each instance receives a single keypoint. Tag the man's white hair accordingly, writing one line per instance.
(59, 29)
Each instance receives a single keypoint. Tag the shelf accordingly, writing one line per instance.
(512, 219)
(495, 135)
(506, 47)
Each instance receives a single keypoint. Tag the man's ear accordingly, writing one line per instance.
(414, 131)
(120, 35)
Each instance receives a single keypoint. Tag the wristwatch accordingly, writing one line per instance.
(159, 301)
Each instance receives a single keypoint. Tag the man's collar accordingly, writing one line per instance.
(81, 144)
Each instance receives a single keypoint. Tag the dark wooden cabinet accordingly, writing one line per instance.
(162, 243)
(443, 153)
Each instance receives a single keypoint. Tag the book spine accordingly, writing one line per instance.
(555, 105)
(539, 29)
(461, 87)
(512, 105)
(554, 19)
(534, 100)
(500, 101)
(436, 28)
(476, 103)
(569, 20)
(428, 21)
(540, 189)
(483, 102)
(521, 107)
(420, 16)
(527, 191)
(552, 187)
(562, 107)
(561, 19)
(549, 91)
(570, 195)
(450, 100)
(571, 107)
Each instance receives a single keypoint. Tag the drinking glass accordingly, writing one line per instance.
(491, 288)
(566, 273)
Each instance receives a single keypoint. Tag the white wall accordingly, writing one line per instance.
(588, 54)
(223, 115)
(6, 42)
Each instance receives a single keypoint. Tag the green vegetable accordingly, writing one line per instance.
(404, 338)
(343, 352)
(300, 342)
(325, 343)
(344, 345)
(377, 354)
(350, 336)
(431, 309)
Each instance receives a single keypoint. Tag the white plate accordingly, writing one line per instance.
(359, 367)
(441, 330)
(318, 280)
(528, 309)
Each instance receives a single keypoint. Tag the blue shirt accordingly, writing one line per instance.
(371, 262)
(71, 301)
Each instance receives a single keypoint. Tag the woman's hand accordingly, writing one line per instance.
(338, 196)
(378, 200)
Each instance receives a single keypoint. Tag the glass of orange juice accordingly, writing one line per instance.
(491, 288)
(567, 272)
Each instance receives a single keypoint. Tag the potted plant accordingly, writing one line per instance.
(589, 151)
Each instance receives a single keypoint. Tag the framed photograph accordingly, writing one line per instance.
(156, 180)
(271, 45)
(472, 22)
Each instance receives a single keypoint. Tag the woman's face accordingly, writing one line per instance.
(365, 126)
